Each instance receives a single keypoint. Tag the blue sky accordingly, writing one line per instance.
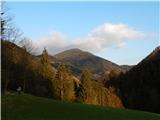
(73, 21)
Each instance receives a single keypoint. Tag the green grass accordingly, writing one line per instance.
(28, 107)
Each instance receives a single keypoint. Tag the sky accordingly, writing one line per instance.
(122, 32)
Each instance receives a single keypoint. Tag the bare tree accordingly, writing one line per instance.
(8, 30)
(27, 45)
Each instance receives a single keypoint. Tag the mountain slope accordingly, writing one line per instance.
(28, 107)
(80, 59)
(140, 85)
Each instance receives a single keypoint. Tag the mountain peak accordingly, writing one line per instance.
(73, 50)
(80, 59)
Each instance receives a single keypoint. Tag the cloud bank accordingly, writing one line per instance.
(101, 37)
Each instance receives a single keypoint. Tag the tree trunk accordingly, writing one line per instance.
(61, 92)
(6, 86)
(24, 85)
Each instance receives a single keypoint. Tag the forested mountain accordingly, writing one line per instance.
(140, 86)
(78, 59)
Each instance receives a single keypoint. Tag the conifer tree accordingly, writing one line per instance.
(69, 91)
(85, 89)
(46, 69)
(45, 57)
(58, 82)
(63, 85)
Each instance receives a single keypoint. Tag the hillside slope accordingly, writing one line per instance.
(20, 68)
(139, 87)
(27, 107)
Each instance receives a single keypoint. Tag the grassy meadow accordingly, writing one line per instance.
(28, 107)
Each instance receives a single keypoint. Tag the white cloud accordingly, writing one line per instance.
(54, 42)
(121, 45)
(103, 36)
